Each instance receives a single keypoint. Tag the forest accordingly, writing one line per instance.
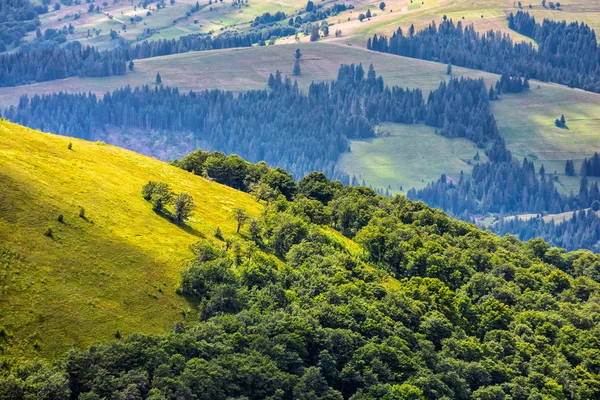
(329, 114)
(17, 17)
(430, 308)
(565, 53)
(505, 187)
(582, 231)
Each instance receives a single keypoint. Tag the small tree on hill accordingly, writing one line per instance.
(298, 54)
(449, 69)
(569, 168)
(184, 204)
(131, 65)
(368, 15)
(382, 6)
(361, 17)
(240, 216)
(158, 78)
(297, 70)
(314, 35)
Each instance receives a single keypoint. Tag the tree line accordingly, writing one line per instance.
(565, 54)
(581, 231)
(430, 308)
(504, 187)
(300, 131)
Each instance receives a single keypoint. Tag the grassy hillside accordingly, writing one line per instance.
(118, 268)
(407, 156)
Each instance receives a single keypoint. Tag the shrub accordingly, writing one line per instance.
(60, 218)
(48, 232)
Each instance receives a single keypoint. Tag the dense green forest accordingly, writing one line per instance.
(301, 131)
(565, 53)
(420, 306)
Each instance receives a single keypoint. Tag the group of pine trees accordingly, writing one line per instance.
(581, 231)
(301, 131)
(44, 64)
(590, 166)
(565, 53)
(507, 187)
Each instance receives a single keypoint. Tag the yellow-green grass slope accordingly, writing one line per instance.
(115, 270)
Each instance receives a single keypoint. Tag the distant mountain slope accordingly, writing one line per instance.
(115, 270)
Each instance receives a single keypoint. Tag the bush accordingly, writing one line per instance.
(48, 232)
(60, 218)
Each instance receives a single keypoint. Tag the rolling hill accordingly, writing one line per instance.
(116, 270)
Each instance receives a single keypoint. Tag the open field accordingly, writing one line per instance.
(118, 268)
(411, 156)
(527, 122)
(249, 68)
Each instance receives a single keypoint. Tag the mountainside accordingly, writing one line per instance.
(117, 268)
(407, 304)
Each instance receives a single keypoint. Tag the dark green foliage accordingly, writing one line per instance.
(590, 166)
(561, 122)
(60, 218)
(316, 186)
(48, 232)
(473, 316)
(297, 71)
(158, 79)
(159, 193)
(569, 168)
(218, 233)
(184, 205)
(82, 213)
(70, 146)
(241, 217)
(558, 45)
(582, 231)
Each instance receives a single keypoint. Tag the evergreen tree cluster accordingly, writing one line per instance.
(301, 131)
(590, 166)
(319, 14)
(17, 17)
(503, 187)
(509, 84)
(431, 308)
(566, 54)
(268, 18)
(582, 231)
(566, 46)
(49, 63)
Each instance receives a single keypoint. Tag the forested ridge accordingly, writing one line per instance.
(566, 53)
(470, 316)
(300, 132)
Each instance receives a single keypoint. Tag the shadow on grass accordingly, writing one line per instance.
(192, 231)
